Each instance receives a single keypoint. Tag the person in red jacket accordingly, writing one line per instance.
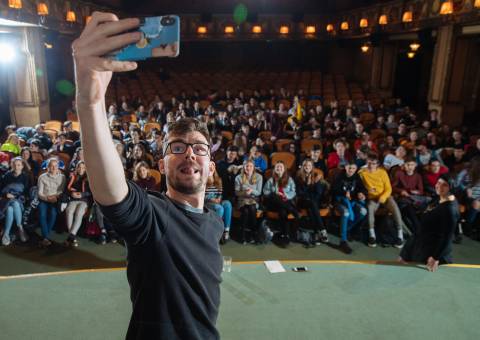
(340, 157)
(432, 175)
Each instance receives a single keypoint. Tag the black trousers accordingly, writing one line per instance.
(283, 208)
(248, 219)
(312, 208)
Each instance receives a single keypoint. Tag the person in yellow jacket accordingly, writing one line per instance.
(379, 189)
(12, 145)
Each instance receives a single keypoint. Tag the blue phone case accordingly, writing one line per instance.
(155, 36)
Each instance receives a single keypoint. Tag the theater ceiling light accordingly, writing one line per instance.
(229, 30)
(414, 46)
(16, 4)
(383, 20)
(365, 47)
(407, 16)
(42, 9)
(476, 4)
(310, 30)
(71, 16)
(329, 28)
(447, 7)
(344, 26)
(284, 30)
(47, 45)
(201, 29)
(363, 23)
(257, 29)
(410, 55)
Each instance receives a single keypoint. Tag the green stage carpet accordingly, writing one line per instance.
(332, 301)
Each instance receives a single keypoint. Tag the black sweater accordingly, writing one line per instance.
(174, 266)
(435, 235)
(353, 184)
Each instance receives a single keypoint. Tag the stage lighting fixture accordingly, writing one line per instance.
(365, 47)
(42, 9)
(476, 4)
(229, 30)
(447, 7)
(330, 28)
(71, 17)
(310, 30)
(15, 4)
(407, 17)
(201, 29)
(344, 26)
(257, 29)
(414, 46)
(383, 20)
(284, 30)
(363, 23)
(410, 55)
(7, 53)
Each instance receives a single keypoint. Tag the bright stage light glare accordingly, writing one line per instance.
(7, 53)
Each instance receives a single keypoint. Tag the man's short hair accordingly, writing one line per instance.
(372, 156)
(409, 159)
(232, 148)
(183, 126)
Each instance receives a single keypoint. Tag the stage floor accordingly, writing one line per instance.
(333, 300)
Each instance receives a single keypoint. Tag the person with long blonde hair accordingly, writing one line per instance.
(248, 188)
(311, 189)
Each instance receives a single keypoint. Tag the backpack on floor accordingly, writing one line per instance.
(265, 234)
(305, 236)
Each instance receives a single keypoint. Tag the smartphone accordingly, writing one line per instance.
(300, 269)
(160, 38)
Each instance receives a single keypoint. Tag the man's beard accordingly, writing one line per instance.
(185, 188)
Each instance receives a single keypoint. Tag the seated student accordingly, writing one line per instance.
(349, 195)
(51, 185)
(137, 155)
(228, 169)
(12, 145)
(248, 188)
(14, 185)
(425, 155)
(69, 132)
(142, 177)
(474, 150)
(256, 157)
(340, 157)
(80, 199)
(77, 157)
(63, 145)
(379, 190)
(468, 185)
(311, 189)
(279, 192)
(398, 159)
(316, 156)
(432, 174)
(432, 243)
(407, 187)
(31, 167)
(214, 201)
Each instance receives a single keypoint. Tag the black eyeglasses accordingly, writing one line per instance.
(178, 148)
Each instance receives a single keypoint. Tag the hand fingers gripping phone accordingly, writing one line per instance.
(300, 269)
(160, 38)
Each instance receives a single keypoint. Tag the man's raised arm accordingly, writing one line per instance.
(102, 35)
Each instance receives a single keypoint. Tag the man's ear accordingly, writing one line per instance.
(161, 166)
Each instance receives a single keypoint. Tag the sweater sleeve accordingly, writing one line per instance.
(268, 188)
(290, 189)
(41, 187)
(387, 192)
(397, 186)
(257, 191)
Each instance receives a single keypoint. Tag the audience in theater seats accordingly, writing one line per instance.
(379, 190)
(351, 156)
(214, 200)
(278, 196)
(248, 189)
(51, 186)
(79, 197)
